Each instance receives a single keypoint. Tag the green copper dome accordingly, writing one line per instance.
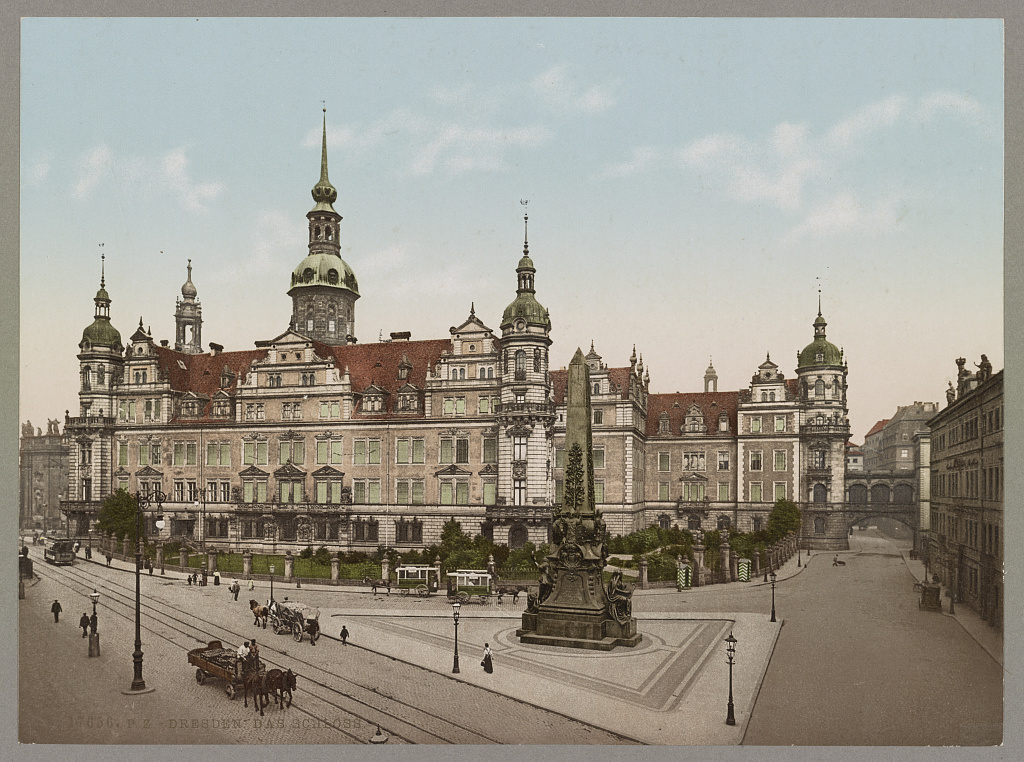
(527, 307)
(324, 269)
(820, 351)
(102, 334)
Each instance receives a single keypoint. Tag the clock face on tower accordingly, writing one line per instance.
(520, 325)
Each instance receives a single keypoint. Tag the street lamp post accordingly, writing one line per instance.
(271, 583)
(730, 654)
(142, 500)
(774, 577)
(94, 633)
(455, 615)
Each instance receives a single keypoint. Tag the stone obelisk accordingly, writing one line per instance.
(574, 607)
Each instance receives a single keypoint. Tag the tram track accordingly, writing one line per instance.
(404, 721)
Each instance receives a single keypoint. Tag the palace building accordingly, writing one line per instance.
(311, 438)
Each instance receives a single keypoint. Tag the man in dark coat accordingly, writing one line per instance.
(56, 609)
(93, 622)
(344, 635)
(84, 624)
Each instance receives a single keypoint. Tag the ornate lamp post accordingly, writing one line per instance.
(730, 655)
(94, 634)
(142, 501)
(774, 577)
(271, 583)
(455, 615)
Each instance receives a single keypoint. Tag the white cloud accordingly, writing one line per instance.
(38, 171)
(174, 166)
(868, 119)
(91, 168)
(469, 148)
(845, 213)
(640, 160)
(275, 231)
(557, 89)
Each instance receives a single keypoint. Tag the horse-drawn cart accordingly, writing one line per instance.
(420, 580)
(213, 660)
(469, 586)
(296, 618)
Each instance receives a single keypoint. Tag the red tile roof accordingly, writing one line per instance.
(560, 380)
(712, 405)
(877, 427)
(201, 373)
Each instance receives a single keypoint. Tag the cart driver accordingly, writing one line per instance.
(243, 655)
(254, 656)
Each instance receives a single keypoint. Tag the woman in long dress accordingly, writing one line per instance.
(486, 663)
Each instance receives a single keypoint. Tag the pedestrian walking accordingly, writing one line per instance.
(88, 553)
(203, 583)
(93, 622)
(486, 663)
(252, 585)
(188, 579)
(314, 630)
(149, 565)
(109, 558)
(84, 624)
(216, 578)
(56, 609)
(344, 635)
(235, 589)
(77, 546)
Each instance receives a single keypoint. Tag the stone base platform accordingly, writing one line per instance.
(585, 630)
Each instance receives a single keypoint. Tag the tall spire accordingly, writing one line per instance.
(103, 267)
(324, 193)
(526, 229)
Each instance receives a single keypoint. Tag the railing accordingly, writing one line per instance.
(525, 408)
(517, 512)
(825, 428)
(90, 420)
(80, 506)
(820, 473)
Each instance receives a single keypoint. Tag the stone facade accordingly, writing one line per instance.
(42, 471)
(313, 438)
(965, 541)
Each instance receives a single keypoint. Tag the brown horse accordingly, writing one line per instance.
(259, 613)
(256, 684)
(375, 583)
(279, 683)
(513, 591)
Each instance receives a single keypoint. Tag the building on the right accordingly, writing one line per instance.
(965, 538)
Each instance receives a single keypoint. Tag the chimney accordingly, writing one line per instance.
(401, 335)
(215, 349)
(163, 342)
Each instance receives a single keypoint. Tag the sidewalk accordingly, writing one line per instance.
(990, 639)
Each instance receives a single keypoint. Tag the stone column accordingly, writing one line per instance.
(211, 560)
(492, 574)
(385, 569)
(160, 557)
(755, 564)
(698, 561)
(643, 574)
(289, 562)
(437, 572)
(726, 558)
(335, 568)
(125, 551)
(246, 563)
(183, 560)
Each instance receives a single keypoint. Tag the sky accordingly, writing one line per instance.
(692, 184)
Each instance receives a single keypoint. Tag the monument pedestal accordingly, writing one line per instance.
(594, 632)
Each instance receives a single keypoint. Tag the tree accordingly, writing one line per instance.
(117, 516)
(784, 518)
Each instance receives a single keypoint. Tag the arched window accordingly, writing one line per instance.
(490, 373)
(482, 372)
(820, 493)
(858, 493)
(903, 493)
(764, 396)
(330, 233)
(138, 377)
(664, 521)
(880, 493)
(597, 388)
(819, 525)
(536, 361)
(723, 522)
(100, 377)
(520, 365)
(307, 275)
(771, 396)
(819, 389)
(332, 276)
(143, 376)
(86, 378)
(317, 233)
(693, 523)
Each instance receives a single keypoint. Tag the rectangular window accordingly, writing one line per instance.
(662, 490)
(144, 455)
(518, 492)
(518, 448)
(366, 491)
(663, 461)
(693, 491)
(723, 491)
(723, 460)
(755, 425)
(599, 457)
(122, 453)
(559, 490)
(447, 454)
(780, 423)
(225, 492)
(780, 460)
(694, 461)
(212, 454)
(402, 454)
(193, 490)
(462, 451)
(755, 461)
(462, 492)
(365, 452)
(490, 492)
(447, 493)
(780, 490)
(755, 492)
(598, 491)
(418, 450)
(559, 457)
(460, 406)
(490, 454)
(190, 454)
(179, 453)
(449, 406)
(179, 491)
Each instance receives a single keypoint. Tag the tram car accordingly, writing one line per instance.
(60, 552)
(469, 585)
(421, 580)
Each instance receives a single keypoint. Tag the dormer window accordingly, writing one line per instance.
(723, 422)
(332, 277)
(663, 424)
(307, 275)
(819, 357)
(373, 403)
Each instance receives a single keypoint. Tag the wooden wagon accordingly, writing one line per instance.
(213, 660)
